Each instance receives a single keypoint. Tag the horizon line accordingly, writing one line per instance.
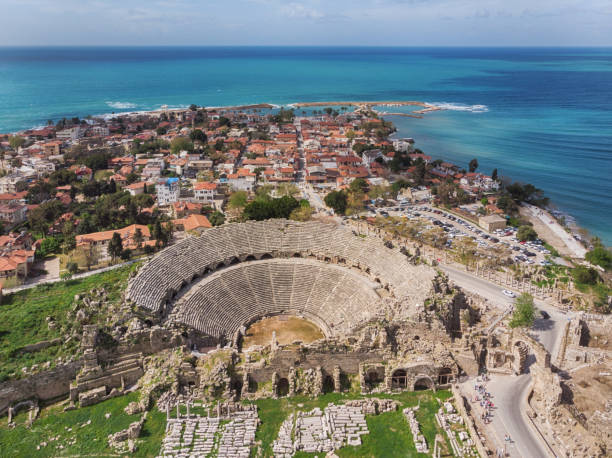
(300, 46)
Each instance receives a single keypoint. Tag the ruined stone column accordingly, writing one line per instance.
(337, 381)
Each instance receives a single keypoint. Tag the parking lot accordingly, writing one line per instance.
(528, 253)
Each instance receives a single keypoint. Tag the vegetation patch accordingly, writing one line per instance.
(24, 318)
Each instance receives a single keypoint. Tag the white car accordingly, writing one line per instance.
(508, 293)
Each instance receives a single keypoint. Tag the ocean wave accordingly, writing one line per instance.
(460, 107)
(121, 105)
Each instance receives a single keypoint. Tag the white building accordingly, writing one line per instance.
(204, 192)
(168, 191)
(99, 131)
(73, 133)
(403, 145)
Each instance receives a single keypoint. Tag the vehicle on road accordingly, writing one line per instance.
(505, 292)
(544, 314)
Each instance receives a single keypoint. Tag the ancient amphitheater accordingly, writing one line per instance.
(230, 276)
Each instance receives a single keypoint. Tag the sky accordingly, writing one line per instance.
(307, 22)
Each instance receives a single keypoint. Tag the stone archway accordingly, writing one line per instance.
(399, 379)
(282, 387)
(422, 383)
(374, 377)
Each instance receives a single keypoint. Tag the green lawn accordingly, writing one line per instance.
(389, 432)
(23, 318)
(91, 439)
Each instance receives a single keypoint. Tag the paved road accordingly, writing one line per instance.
(510, 392)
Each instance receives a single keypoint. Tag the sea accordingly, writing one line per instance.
(538, 115)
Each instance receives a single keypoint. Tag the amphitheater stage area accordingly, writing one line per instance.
(285, 328)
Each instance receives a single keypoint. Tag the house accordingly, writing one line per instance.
(168, 190)
(193, 223)
(13, 213)
(98, 241)
(403, 145)
(182, 209)
(83, 172)
(204, 191)
(492, 222)
(136, 188)
(16, 263)
(8, 184)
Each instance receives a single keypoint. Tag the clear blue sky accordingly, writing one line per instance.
(307, 22)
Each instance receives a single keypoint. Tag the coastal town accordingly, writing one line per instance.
(154, 178)
(243, 280)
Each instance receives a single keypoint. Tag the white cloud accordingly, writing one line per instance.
(300, 11)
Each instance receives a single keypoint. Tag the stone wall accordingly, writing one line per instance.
(45, 386)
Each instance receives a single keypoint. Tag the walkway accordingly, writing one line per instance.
(74, 277)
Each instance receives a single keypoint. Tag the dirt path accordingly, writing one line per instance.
(550, 230)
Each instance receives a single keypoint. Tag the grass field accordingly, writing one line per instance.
(389, 432)
(91, 440)
(23, 318)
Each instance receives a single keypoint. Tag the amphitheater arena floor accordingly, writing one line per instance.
(288, 329)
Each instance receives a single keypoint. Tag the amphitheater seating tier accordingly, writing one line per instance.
(272, 287)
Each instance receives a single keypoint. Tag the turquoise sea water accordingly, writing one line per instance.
(542, 115)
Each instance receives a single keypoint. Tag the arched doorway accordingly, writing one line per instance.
(374, 378)
(423, 383)
(445, 376)
(399, 379)
(237, 386)
(282, 388)
(328, 384)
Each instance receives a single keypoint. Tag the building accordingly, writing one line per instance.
(8, 184)
(99, 131)
(73, 133)
(403, 145)
(136, 188)
(13, 213)
(204, 192)
(168, 191)
(98, 241)
(192, 223)
(492, 222)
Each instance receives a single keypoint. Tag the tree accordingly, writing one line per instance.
(216, 218)
(238, 199)
(126, 254)
(600, 256)
(484, 201)
(261, 209)
(48, 246)
(524, 312)
(198, 135)
(526, 233)
(115, 246)
(494, 175)
(337, 200)
(179, 144)
(473, 165)
(302, 213)
(161, 131)
(193, 107)
(16, 141)
(585, 275)
(138, 237)
(97, 161)
(72, 267)
(358, 185)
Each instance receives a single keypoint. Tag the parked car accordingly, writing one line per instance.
(508, 293)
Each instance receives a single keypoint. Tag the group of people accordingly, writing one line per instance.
(484, 397)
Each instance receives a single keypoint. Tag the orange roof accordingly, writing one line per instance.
(192, 222)
(204, 185)
(126, 232)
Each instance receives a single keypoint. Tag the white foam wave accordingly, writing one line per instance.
(121, 105)
(460, 107)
